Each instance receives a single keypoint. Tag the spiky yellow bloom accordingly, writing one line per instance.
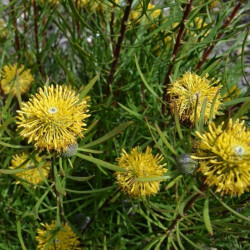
(224, 152)
(53, 118)
(139, 165)
(232, 93)
(3, 29)
(13, 78)
(36, 170)
(64, 237)
(189, 94)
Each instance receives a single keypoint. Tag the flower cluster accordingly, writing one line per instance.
(35, 170)
(14, 78)
(139, 165)
(188, 94)
(53, 118)
(63, 238)
(224, 152)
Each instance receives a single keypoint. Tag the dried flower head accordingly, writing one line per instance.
(64, 237)
(224, 152)
(139, 165)
(36, 170)
(3, 29)
(188, 94)
(53, 118)
(13, 78)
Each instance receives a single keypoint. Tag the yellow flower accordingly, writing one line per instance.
(64, 237)
(13, 78)
(152, 13)
(53, 118)
(139, 165)
(3, 30)
(33, 175)
(191, 91)
(95, 5)
(224, 152)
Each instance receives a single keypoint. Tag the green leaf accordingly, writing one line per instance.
(236, 101)
(164, 139)
(172, 183)
(38, 204)
(243, 109)
(58, 185)
(19, 234)
(146, 179)
(230, 209)
(132, 112)
(177, 122)
(206, 216)
(212, 106)
(88, 87)
(15, 171)
(109, 135)
(79, 178)
(13, 146)
(143, 79)
(98, 190)
(202, 115)
(101, 163)
(191, 242)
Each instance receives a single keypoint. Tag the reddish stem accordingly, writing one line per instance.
(118, 46)
(208, 50)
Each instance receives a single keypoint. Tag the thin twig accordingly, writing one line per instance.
(17, 42)
(112, 30)
(208, 50)
(175, 52)
(118, 46)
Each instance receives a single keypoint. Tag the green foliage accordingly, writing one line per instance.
(67, 44)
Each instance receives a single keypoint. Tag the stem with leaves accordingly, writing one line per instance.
(118, 46)
(208, 50)
(175, 52)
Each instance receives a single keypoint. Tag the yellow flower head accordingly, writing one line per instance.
(3, 29)
(33, 175)
(13, 78)
(139, 165)
(64, 238)
(224, 152)
(191, 91)
(53, 118)
(95, 5)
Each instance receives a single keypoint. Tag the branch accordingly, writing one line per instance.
(118, 46)
(208, 50)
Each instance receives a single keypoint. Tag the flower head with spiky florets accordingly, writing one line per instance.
(35, 170)
(189, 94)
(53, 118)
(139, 165)
(64, 237)
(224, 154)
(13, 78)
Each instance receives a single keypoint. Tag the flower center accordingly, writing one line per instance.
(57, 241)
(239, 150)
(52, 110)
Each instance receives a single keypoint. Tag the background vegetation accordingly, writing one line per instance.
(73, 44)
